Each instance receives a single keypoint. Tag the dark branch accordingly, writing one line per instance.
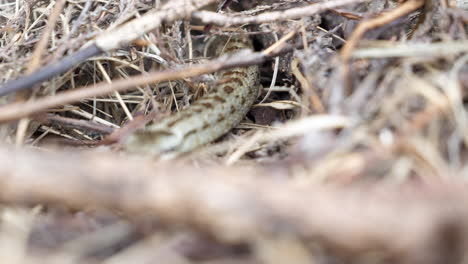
(50, 71)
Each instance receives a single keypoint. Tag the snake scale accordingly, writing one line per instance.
(208, 118)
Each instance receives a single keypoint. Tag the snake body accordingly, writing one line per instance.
(208, 118)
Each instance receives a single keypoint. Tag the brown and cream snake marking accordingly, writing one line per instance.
(208, 118)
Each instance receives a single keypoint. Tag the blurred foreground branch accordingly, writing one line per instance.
(412, 224)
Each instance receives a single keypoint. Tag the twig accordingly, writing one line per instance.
(107, 41)
(364, 26)
(276, 63)
(307, 87)
(411, 50)
(34, 63)
(75, 123)
(170, 12)
(383, 19)
(293, 13)
(242, 58)
(134, 29)
(117, 94)
(49, 71)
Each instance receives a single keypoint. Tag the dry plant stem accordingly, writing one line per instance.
(49, 71)
(107, 41)
(445, 48)
(275, 69)
(172, 11)
(307, 86)
(41, 46)
(406, 8)
(117, 94)
(293, 13)
(134, 29)
(34, 64)
(75, 123)
(15, 111)
(274, 46)
(364, 26)
(236, 205)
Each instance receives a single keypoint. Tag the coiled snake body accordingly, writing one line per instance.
(208, 118)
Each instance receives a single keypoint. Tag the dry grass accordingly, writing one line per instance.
(355, 152)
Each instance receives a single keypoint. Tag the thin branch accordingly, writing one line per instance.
(41, 46)
(243, 58)
(134, 29)
(393, 49)
(107, 41)
(383, 19)
(293, 13)
(49, 71)
(75, 123)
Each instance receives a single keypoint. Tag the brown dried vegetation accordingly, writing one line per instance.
(355, 152)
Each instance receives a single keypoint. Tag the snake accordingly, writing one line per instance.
(208, 118)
